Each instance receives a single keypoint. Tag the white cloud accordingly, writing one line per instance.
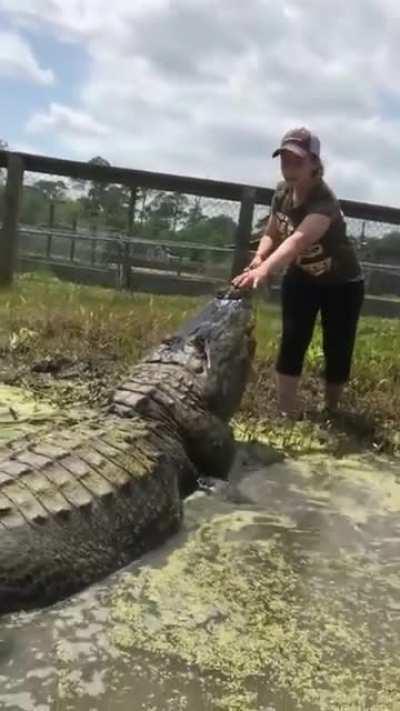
(67, 121)
(207, 88)
(18, 61)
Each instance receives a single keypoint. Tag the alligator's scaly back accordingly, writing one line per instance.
(76, 505)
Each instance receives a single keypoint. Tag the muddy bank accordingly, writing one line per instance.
(281, 592)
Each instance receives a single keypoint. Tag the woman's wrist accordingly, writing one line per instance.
(265, 267)
(265, 247)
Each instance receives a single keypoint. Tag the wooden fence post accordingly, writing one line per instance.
(125, 265)
(243, 231)
(93, 245)
(132, 210)
(12, 205)
(48, 245)
(72, 246)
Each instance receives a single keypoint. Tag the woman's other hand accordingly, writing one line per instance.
(251, 277)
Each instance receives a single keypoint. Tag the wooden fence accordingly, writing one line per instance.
(246, 195)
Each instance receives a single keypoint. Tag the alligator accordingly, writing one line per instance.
(78, 504)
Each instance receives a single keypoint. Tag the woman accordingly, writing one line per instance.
(306, 233)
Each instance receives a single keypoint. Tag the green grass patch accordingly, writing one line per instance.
(71, 343)
(46, 314)
(89, 335)
(371, 404)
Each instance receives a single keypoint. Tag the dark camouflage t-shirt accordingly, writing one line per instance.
(332, 258)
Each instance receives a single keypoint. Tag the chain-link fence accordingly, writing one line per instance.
(126, 231)
(377, 245)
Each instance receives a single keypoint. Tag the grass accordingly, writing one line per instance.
(371, 404)
(60, 317)
(82, 336)
(72, 344)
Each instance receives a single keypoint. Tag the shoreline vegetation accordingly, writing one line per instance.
(69, 346)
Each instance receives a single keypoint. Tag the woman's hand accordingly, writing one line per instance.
(255, 262)
(252, 277)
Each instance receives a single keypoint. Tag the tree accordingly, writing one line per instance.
(98, 189)
(388, 248)
(171, 208)
(34, 209)
(145, 197)
(216, 231)
(194, 213)
(224, 227)
(92, 202)
(52, 190)
(3, 147)
(116, 201)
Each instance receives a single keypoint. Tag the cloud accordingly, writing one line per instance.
(67, 121)
(18, 61)
(204, 88)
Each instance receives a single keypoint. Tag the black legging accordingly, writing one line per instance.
(340, 306)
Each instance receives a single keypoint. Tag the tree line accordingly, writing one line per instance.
(97, 206)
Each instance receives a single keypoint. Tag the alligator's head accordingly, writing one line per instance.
(207, 363)
(219, 346)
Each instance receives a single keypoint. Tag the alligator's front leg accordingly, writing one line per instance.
(208, 440)
(210, 445)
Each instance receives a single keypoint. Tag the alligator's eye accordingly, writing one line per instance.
(170, 340)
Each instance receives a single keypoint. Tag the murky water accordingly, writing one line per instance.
(282, 592)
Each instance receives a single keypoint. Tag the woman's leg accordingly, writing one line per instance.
(300, 304)
(340, 311)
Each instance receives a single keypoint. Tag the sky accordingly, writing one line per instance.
(207, 87)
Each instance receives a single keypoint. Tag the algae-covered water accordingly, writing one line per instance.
(24, 415)
(281, 592)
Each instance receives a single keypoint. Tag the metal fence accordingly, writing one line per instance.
(124, 258)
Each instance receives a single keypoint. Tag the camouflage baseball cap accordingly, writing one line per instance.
(299, 141)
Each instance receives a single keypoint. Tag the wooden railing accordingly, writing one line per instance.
(248, 196)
